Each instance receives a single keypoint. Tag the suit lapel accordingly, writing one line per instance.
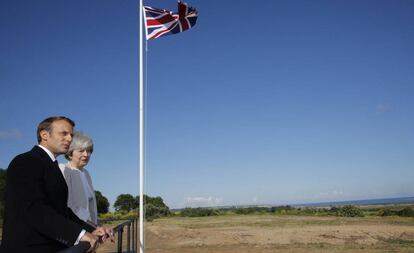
(54, 179)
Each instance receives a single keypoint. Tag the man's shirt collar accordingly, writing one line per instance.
(51, 155)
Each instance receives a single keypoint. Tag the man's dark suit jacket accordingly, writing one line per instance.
(36, 216)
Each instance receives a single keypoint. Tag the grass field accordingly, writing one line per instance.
(271, 233)
(267, 233)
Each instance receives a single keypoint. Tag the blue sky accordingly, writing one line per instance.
(267, 102)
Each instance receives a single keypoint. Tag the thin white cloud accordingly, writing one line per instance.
(382, 108)
(202, 201)
(330, 195)
(12, 134)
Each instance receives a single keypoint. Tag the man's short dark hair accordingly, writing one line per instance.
(46, 124)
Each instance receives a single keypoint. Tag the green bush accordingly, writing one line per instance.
(124, 203)
(153, 211)
(406, 212)
(198, 212)
(129, 215)
(349, 211)
(281, 209)
(128, 207)
(102, 202)
(386, 212)
(154, 207)
(106, 216)
(247, 210)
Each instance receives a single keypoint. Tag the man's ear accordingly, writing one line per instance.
(44, 135)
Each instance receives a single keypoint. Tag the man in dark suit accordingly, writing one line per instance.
(36, 216)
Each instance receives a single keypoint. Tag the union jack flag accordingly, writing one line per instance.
(164, 22)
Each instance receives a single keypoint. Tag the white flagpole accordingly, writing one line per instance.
(141, 132)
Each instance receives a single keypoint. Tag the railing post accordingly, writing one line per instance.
(120, 240)
(133, 235)
(136, 242)
(132, 244)
(129, 237)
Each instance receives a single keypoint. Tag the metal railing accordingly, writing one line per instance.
(131, 226)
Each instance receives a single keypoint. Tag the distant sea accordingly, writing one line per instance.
(388, 201)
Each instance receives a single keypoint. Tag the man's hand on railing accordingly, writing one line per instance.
(105, 232)
(92, 239)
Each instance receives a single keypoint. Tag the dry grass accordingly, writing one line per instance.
(269, 233)
(286, 234)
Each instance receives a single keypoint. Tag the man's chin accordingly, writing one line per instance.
(63, 151)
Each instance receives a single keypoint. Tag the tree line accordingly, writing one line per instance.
(127, 206)
(124, 204)
(340, 211)
(154, 207)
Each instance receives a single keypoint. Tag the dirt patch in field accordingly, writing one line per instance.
(245, 234)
